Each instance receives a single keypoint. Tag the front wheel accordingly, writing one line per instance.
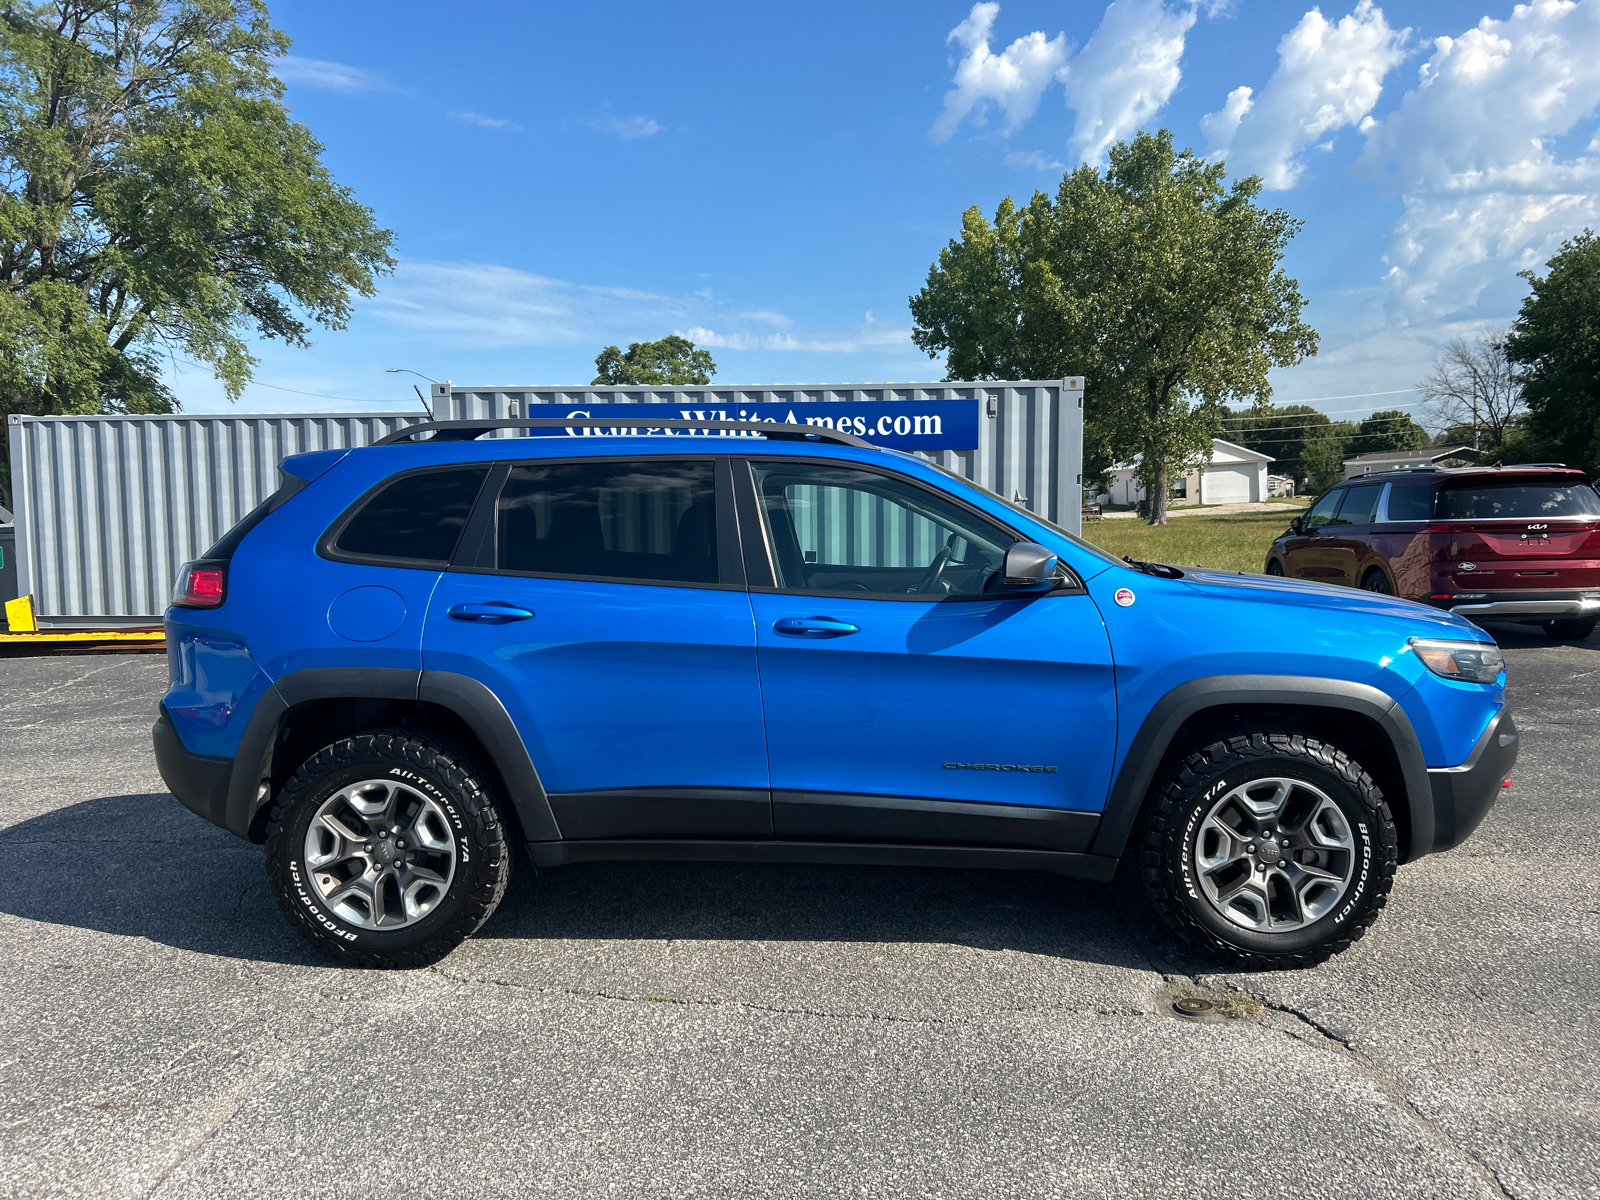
(1274, 567)
(1270, 849)
(385, 849)
(1377, 581)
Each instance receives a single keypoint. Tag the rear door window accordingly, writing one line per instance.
(414, 520)
(1492, 500)
(1409, 503)
(631, 522)
(1360, 505)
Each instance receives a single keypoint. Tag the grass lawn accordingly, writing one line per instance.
(1230, 542)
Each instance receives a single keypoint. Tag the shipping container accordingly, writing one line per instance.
(108, 508)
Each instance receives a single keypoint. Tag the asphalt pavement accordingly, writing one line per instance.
(671, 1030)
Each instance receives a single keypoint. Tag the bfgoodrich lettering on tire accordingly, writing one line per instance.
(1270, 849)
(385, 849)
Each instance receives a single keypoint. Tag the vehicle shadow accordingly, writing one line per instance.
(1509, 636)
(141, 866)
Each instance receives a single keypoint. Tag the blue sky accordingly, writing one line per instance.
(774, 181)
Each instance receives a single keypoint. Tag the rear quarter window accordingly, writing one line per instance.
(1491, 500)
(415, 519)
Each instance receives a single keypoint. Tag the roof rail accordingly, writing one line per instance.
(466, 431)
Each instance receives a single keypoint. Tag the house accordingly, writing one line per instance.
(1234, 475)
(1399, 460)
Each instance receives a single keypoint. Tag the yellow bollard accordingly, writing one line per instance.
(19, 615)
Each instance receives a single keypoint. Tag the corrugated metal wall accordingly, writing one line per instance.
(1030, 438)
(108, 508)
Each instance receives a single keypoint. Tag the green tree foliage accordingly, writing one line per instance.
(673, 361)
(1157, 283)
(1389, 429)
(1555, 340)
(156, 199)
(1321, 462)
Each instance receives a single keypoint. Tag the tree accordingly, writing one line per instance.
(1155, 282)
(670, 362)
(155, 199)
(1474, 387)
(1322, 461)
(1388, 429)
(1283, 432)
(1555, 341)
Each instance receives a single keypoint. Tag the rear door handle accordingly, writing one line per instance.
(815, 627)
(490, 612)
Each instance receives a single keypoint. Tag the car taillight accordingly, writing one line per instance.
(201, 585)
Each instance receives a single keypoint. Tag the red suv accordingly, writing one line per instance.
(1515, 543)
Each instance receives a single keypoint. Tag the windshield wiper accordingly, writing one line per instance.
(1160, 570)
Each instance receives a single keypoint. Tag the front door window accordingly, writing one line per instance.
(837, 530)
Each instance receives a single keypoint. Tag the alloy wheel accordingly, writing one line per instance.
(1274, 855)
(380, 854)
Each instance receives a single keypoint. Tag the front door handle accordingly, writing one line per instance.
(490, 612)
(815, 627)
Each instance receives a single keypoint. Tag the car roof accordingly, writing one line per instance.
(1444, 474)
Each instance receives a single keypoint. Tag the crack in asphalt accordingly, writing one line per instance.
(1395, 1088)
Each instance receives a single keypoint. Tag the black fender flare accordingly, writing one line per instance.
(478, 707)
(1155, 735)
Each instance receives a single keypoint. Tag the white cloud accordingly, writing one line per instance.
(1471, 152)
(1126, 72)
(1121, 78)
(627, 128)
(330, 76)
(1329, 77)
(1032, 159)
(867, 336)
(1011, 81)
(483, 306)
(483, 122)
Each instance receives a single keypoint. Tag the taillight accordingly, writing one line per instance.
(201, 585)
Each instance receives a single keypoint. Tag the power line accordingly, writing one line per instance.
(1353, 396)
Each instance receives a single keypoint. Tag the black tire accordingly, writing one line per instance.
(1274, 567)
(425, 767)
(1574, 630)
(1376, 581)
(1172, 847)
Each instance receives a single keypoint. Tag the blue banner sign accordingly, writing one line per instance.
(897, 424)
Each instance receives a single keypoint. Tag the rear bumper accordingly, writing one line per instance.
(199, 781)
(1529, 605)
(1462, 796)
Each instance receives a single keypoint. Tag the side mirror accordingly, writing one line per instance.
(1028, 564)
(1295, 526)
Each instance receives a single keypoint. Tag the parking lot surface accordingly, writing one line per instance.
(718, 1030)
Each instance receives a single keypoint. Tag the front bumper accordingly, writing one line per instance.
(199, 781)
(1462, 796)
(1526, 605)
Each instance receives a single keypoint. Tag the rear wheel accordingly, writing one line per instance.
(385, 849)
(1574, 630)
(1270, 849)
(1376, 581)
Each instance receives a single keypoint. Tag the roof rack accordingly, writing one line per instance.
(466, 431)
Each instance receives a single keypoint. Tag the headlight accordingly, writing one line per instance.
(1474, 662)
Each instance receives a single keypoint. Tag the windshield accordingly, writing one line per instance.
(1493, 500)
(1032, 516)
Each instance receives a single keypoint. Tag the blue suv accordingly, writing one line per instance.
(738, 641)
